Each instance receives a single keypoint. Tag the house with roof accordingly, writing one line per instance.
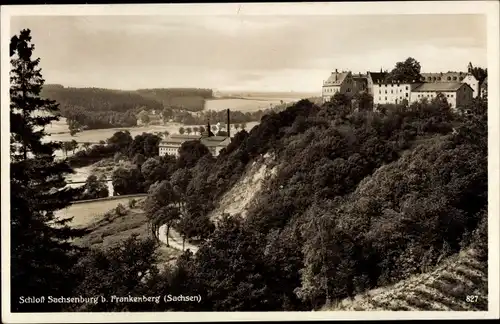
(457, 93)
(338, 82)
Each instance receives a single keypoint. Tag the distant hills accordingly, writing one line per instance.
(100, 99)
(95, 108)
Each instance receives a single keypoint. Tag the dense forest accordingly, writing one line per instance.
(93, 108)
(360, 200)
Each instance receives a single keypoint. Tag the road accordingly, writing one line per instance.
(174, 239)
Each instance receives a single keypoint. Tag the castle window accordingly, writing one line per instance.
(406, 87)
(392, 91)
(407, 95)
(385, 98)
(386, 91)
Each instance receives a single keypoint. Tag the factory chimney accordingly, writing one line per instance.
(228, 125)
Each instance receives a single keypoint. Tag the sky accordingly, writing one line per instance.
(245, 52)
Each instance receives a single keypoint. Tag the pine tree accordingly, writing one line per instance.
(41, 255)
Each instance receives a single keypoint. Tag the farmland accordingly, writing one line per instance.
(96, 135)
(85, 213)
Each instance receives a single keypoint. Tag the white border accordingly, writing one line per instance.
(488, 8)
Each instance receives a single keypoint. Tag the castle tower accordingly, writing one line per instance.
(469, 67)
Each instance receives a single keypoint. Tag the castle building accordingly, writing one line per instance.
(392, 93)
(458, 87)
(457, 93)
(454, 77)
(373, 78)
(338, 82)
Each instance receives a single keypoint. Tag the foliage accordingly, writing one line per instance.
(128, 181)
(41, 254)
(95, 188)
(407, 71)
(124, 270)
(190, 152)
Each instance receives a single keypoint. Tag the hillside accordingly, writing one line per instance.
(325, 205)
(444, 289)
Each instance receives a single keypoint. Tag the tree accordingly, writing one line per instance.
(138, 159)
(146, 144)
(202, 129)
(41, 254)
(74, 126)
(166, 215)
(237, 126)
(214, 128)
(407, 71)
(74, 145)
(143, 116)
(364, 101)
(95, 187)
(121, 139)
(190, 152)
(189, 130)
(127, 181)
(196, 129)
(181, 130)
(123, 269)
(479, 73)
(243, 126)
(167, 114)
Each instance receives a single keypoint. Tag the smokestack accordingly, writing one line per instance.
(228, 125)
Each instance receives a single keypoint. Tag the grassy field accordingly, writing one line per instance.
(445, 289)
(111, 229)
(96, 135)
(87, 213)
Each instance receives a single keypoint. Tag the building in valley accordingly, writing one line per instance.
(172, 144)
(457, 93)
(338, 82)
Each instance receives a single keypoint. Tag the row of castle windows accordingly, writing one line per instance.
(392, 91)
(449, 78)
(392, 85)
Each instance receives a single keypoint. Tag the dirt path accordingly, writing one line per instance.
(174, 239)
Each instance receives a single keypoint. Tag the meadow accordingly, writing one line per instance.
(96, 135)
(86, 213)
